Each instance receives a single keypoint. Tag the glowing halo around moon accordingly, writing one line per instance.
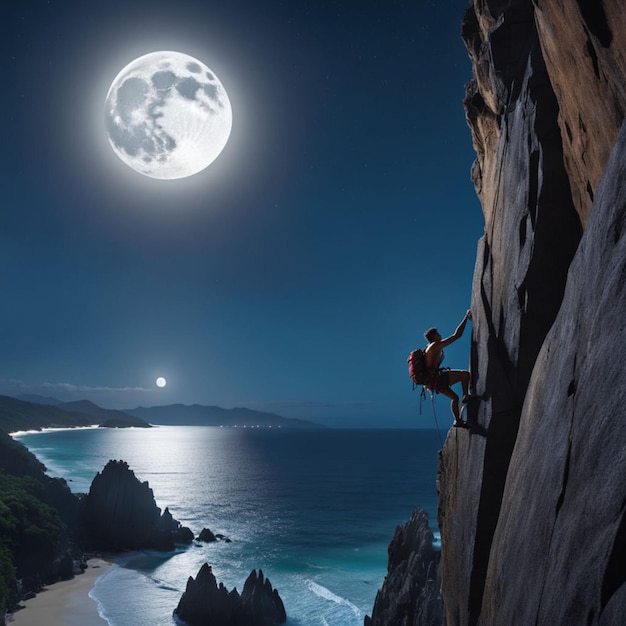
(167, 115)
(161, 382)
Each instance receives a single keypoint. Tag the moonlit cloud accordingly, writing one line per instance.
(87, 389)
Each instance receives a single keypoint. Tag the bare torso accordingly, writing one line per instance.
(434, 354)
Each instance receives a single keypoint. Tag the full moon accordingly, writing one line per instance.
(167, 115)
(161, 382)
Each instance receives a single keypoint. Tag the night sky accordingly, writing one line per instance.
(297, 271)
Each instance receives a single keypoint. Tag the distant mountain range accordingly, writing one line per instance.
(31, 397)
(32, 412)
(200, 415)
(18, 414)
(108, 418)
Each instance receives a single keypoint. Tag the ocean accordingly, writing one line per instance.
(314, 509)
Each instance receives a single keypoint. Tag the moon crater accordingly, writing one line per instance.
(167, 115)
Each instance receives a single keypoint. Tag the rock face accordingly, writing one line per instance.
(584, 44)
(531, 505)
(410, 595)
(120, 513)
(565, 493)
(204, 602)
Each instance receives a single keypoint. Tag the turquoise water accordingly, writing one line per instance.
(314, 509)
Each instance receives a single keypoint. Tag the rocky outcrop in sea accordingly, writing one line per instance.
(206, 602)
(120, 513)
(411, 593)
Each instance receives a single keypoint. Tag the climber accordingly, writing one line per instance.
(441, 380)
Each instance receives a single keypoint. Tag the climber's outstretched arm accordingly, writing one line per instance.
(458, 332)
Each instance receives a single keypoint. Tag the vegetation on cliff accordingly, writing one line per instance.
(34, 509)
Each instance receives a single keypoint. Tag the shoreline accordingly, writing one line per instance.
(66, 603)
(50, 429)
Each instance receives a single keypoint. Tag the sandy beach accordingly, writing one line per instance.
(65, 603)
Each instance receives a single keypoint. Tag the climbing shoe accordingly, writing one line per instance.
(470, 398)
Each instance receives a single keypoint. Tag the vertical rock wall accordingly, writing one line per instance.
(545, 107)
(560, 542)
(584, 46)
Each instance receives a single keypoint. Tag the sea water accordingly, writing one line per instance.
(314, 509)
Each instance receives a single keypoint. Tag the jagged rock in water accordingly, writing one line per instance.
(120, 513)
(531, 497)
(261, 604)
(169, 526)
(206, 535)
(183, 535)
(410, 595)
(206, 602)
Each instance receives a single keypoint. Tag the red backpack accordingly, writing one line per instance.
(418, 372)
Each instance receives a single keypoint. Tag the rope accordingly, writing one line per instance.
(432, 397)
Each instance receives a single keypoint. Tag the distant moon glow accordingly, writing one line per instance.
(167, 115)
(161, 382)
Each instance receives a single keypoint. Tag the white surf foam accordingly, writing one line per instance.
(327, 594)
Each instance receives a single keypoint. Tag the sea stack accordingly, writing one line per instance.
(206, 602)
(120, 513)
(413, 583)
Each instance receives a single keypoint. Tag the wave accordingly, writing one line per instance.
(327, 594)
(163, 585)
(93, 595)
(100, 607)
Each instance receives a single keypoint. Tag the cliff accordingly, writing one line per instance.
(532, 497)
(37, 518)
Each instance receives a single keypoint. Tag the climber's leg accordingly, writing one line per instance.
(460, 376)
(454, 404)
